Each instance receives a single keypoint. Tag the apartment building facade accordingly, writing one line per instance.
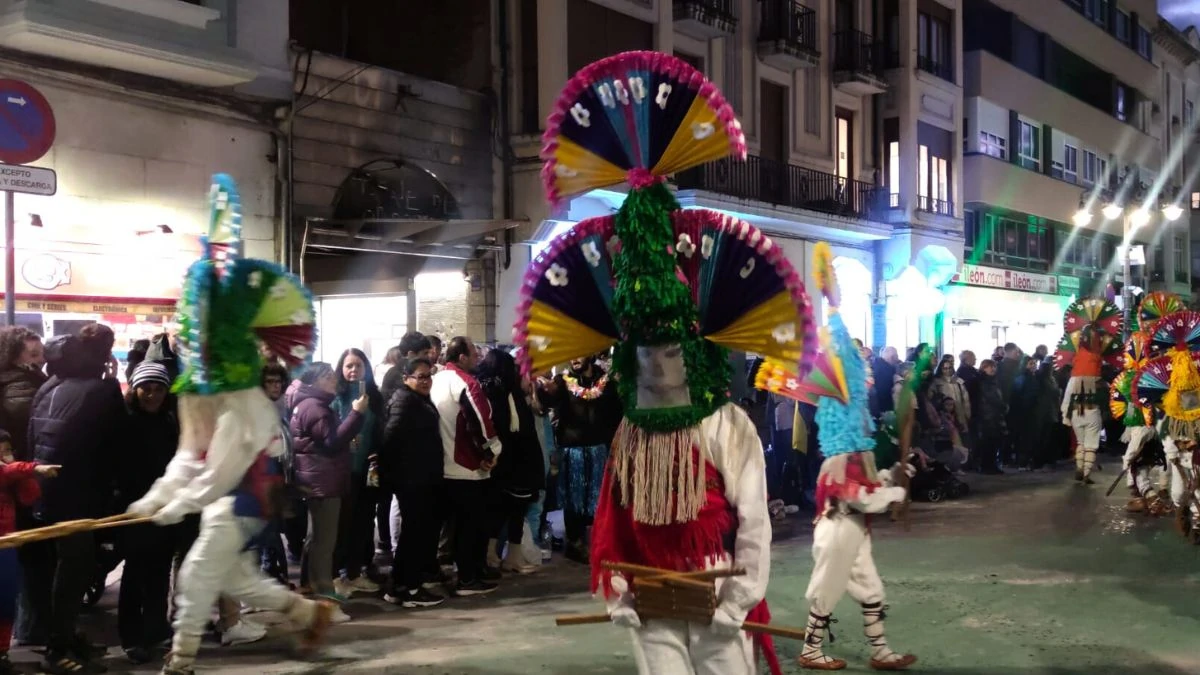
(839, 100)
(149, 98)
(1069, 104)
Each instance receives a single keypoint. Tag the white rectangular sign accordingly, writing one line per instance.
(992, 277)
(31, 180)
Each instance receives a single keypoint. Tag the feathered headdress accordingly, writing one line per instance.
(235, 310)
(654, 274)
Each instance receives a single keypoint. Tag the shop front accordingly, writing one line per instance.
(987, 307)
(131, 283)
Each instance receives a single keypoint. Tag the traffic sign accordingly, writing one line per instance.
(26, 123)
(31, 180)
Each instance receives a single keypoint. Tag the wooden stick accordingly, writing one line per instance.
(655, 572)
(749, 626)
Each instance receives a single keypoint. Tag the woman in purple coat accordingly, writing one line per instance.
(321, 447)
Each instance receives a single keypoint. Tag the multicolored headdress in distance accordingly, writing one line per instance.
(233, 310)
(1093, 336)
(654, 275)
(1172, 381)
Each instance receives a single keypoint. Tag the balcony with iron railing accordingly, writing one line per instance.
(941, 207)
(858, 63)
(705, 19)
(940, 69)
(787, 35)
(773, 182)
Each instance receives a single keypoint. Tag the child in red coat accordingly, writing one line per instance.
(18, 485)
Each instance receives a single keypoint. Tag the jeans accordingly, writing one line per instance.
(317, 562)
(273, 558)
(74, 570)
(356, 528)
(37, 580)
(145, 586)
(470, 504)
(10, 581)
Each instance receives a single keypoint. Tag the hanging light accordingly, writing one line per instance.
(1172, 212)
(1112, 211)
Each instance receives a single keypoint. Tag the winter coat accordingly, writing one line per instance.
(992, 413)
(885, 374)
(77, 420)
(411, 451)
(143, 459)
(366, 442)
(320, 445)
(521, 468)
(954, 388)
(18, 386)
(18, 487)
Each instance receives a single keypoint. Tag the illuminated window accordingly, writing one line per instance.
(1030, 149)
(991, 144)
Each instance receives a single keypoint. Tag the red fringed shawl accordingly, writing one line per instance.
(829, 492)
(683, 547)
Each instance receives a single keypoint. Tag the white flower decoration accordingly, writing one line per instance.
(702, 130)
(591, 253)
(557, 275)
(784, 332)
(539, 342)
(279, 290)
(747, 269)
(299, 317)
(684, 245)
(706, 246)
(300, 352)
(581, 115)
(792, 383)
(564, 171)
(664, 92)
(255, 279)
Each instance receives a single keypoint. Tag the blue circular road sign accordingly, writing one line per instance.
(26, 123)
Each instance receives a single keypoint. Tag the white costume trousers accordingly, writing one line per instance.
(217, 564)
(668, 647)
(842, 563)
(1147, 480)
(1179, 481)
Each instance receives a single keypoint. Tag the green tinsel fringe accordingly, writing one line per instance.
(656, 308)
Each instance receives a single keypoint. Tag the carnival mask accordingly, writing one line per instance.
(662, 378)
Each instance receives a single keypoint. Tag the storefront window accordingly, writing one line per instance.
(373, 323)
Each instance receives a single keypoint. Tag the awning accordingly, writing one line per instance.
(428, 238)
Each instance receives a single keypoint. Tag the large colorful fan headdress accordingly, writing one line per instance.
(843, 425)
(1155, 306)
(235, 310)
(1172, 381)
(654, 274)
(1093, 334)
(1124, 405)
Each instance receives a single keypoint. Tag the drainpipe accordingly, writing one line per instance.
(877, 99)
(503, 123)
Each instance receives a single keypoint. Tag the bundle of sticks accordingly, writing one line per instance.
(69, 527)
(684, 596)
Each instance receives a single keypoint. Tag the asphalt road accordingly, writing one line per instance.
(1029, 574)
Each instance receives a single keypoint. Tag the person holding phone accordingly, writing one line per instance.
(356, 524)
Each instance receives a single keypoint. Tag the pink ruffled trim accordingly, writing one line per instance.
(618, 65)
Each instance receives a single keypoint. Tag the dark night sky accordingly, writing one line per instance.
(1182, 13)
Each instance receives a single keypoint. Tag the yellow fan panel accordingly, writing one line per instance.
(685, 149)
(579, 170)
(555, 338)
(285, 305)
(773, 330)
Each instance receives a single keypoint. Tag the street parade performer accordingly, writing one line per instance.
(1093, 333)
(849, 490)
(1143, 461)
(1172, 382)
(672, 291)
(232, 310)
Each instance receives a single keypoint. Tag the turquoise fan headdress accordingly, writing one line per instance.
(655, 274)
(843, 425)
(234, 311)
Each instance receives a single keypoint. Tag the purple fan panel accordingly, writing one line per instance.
(599, 137)
(579, 298)
(737, 295)
(665, 121)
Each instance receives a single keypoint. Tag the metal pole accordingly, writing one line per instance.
(10, 264)
(1126, 291)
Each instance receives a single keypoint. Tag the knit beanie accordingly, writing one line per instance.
(150, 371)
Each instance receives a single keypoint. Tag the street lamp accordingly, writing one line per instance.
(1133, 216)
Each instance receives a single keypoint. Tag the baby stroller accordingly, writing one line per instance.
(107, 559)
(936, 483)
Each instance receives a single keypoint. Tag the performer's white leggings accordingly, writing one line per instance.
(668, 647)
(216, 564)
(842, 563)
(1147, 480)
(1087, 425)
(1179, 484)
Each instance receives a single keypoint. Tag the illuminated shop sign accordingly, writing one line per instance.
(994, 277)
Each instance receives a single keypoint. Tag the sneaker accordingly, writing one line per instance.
(415, 599)
(477, 587)
(490, 573)
(62, 663)
(338, 616)
(339, 598)
(547, 555)
(243, 633)
(176, 667)
(138, 656)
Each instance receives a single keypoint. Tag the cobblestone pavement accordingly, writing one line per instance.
(1029, 574)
